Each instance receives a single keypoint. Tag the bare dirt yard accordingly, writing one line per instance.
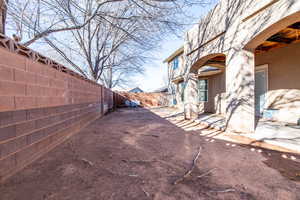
(134, 154)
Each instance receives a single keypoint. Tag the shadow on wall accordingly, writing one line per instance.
(205, 31)
(280, 98)
(241, 94)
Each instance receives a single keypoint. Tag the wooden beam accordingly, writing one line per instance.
(219, 58)
(279, 38)
(267, 46)
(295, 26)
(269, 43)
(212, 62)
(291, 29)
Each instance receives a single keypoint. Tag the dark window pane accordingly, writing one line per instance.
(202, 96)
(202, 84)
(203, 90)
(175, 63)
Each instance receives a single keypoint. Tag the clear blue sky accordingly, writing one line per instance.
(156, 72)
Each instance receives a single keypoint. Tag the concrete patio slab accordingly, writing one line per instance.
(277, 133)
(273, 135)
(215, 121)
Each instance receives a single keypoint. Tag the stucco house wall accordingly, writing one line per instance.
(235, 28)
(175, 90)
(283, 81)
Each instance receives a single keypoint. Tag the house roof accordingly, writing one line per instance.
(136, 89)
(174, 54)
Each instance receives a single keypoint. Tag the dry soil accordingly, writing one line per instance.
(134, 154)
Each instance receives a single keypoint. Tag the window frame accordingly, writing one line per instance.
(206, 90)
(175, 63)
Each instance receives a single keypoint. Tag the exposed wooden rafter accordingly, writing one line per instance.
(295, 26)
(218, 61)
(280, 39)
(287, 36)
(218, 64)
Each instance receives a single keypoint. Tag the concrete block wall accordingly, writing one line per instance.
(108, 100)
(41, 105)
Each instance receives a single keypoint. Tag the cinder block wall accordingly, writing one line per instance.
(108, 102)
(41, 104)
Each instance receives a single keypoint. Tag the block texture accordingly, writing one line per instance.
(42, 104)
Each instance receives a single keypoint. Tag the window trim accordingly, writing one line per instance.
(207, 85)
(173, 63)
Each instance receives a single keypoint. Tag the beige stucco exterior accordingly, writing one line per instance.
(283, 81)
(175, 79)
(234, 28)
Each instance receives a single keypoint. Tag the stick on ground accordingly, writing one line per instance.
(224, 191)
(206, 173)
(145, 192)
(87, 162)
(188, 173)
(152, 135)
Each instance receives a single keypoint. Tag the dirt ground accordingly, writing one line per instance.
(134, 154)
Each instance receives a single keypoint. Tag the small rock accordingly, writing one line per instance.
(293, 158)
(284, 156)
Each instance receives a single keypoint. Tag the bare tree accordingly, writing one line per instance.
(104, 40)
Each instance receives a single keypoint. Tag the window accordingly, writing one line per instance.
(174, 101)
(203, 90)
(173, 90)
(182, 88)
(175, 63)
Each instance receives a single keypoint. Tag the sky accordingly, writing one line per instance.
(155, 75)
(156, 72)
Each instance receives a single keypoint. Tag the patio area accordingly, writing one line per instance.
(269, 134)
(278, 133)
(214, 121)
(275, 133)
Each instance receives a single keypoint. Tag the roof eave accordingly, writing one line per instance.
(174, 54)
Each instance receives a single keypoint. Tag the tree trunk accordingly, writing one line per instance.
(3, 6)
(110, 78)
